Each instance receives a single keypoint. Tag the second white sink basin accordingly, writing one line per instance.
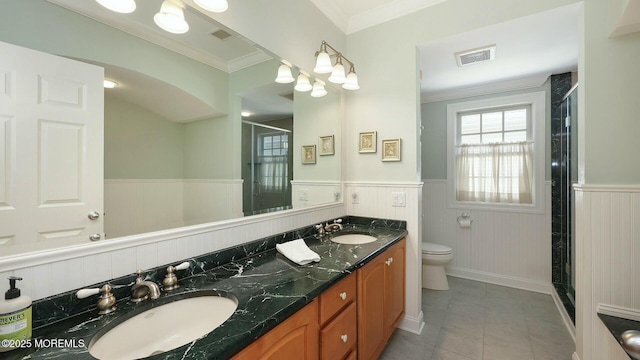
(164, 327)
(353, 239)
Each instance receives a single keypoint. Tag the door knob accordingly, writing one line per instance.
(94, 215)
(95, 237)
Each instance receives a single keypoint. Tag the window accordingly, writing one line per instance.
(494, 160)
(273, 150)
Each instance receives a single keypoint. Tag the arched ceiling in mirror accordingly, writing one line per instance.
(155, 95)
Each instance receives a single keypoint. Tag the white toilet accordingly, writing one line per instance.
(434, 258)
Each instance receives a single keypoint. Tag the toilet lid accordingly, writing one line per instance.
(431, 248)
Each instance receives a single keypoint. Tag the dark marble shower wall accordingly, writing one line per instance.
(560, 191)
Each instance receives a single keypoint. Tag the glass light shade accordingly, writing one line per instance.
(318, 90)
(109, 84)
(303, 83)
(284, 75)
(120, 6)
(213, 5)
(351, 83)
(337, 75)
(171, 17)
(323, 63)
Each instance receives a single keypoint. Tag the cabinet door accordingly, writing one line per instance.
(296, 338)
(395, 286)
(371, 323)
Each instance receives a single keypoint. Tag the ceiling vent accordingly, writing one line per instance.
(221, 34)
(475, 56)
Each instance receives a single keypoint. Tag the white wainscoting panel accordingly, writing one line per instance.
(59, 270)
(505, 248)
(607, 253)
(308, 193)
(135, 206)
(376, 200)
(207, 200)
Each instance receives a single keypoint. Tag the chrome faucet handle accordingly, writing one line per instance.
(106, 303)
(170, 281)
(320, 229)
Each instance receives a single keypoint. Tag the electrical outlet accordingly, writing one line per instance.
(355, 198)
(303, 195)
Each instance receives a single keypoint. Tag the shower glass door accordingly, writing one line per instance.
(267, 172)
(569, 177)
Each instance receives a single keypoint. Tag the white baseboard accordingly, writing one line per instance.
(413, 325)
(564, 314)
(492, 278)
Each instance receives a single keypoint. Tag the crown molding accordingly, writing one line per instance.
(498, 87)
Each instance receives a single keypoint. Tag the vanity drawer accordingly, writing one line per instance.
(337, 298)
(339, 337)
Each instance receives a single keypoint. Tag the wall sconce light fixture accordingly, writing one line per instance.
(284, 74)
(171, 17)
(324, 66)
(318, 89)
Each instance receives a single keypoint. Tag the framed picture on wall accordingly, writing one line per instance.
(327, 145)
(368, 142)
(391, 150)
(308, 154)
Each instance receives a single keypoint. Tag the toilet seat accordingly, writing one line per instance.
(435, 249)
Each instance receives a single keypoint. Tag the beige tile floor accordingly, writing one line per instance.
(479, 321)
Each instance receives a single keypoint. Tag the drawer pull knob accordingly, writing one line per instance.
(343, 295)
(388, 262)
(344, 338)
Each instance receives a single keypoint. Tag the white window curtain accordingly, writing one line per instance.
(274, 172)
(495, 173)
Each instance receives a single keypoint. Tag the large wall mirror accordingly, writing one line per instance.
(196, 131)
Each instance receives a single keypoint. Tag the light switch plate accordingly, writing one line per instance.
(355, 198)
(399, 199)
(303, 195)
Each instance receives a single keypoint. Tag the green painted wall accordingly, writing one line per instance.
(140, 144)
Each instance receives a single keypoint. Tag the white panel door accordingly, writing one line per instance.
(51, 150)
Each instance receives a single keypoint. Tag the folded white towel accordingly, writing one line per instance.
(298, 252)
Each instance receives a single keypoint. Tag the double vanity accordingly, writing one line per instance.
(246, 302)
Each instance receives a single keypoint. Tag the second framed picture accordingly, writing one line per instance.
(391, 150)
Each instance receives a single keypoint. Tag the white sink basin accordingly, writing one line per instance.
(353, 239)
(163, 328)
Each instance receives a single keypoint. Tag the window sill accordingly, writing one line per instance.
(512, 208)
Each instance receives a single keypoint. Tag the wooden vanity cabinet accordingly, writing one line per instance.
(381, 298)
(338, 320)
(295, 339)
(351, 320)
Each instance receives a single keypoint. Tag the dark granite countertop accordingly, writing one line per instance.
(269, 288)
(617, 326)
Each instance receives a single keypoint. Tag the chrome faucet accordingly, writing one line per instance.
(337, 225)
(144, 289)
